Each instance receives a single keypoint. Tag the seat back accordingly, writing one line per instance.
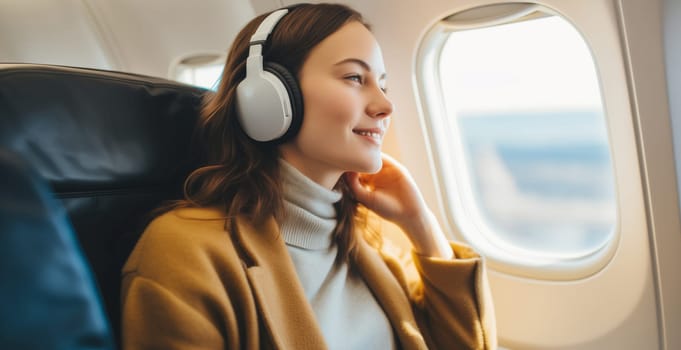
(112, 146)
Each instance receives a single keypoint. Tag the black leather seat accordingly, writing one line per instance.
(111, 145)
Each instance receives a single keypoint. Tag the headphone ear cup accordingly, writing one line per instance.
(295, 96)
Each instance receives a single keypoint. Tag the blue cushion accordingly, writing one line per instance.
(48, 296)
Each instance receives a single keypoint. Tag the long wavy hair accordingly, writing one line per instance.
(239, 176)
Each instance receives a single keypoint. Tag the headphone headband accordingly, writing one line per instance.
(267, 26)
(259, 38)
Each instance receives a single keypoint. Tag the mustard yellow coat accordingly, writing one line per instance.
(189, 284)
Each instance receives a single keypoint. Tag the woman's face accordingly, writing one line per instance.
(346, 109)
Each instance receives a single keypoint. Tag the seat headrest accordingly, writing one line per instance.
(88, 129)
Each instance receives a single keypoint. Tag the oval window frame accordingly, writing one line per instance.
(453, 181)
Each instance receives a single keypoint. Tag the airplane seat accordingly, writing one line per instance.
(112, 147)
(48, 292)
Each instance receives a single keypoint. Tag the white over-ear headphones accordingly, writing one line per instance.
(269, 102)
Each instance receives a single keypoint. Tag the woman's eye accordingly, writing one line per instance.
(355, 77)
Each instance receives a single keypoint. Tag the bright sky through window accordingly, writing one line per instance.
(203, 76)
(489, 69)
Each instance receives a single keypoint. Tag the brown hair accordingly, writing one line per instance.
(241, 176)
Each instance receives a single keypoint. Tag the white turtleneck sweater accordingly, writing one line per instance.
(346, 310)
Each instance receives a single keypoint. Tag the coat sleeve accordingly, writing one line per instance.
(156, 318)
(451, 299)
(174, 294)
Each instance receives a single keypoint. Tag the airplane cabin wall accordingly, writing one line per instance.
(46, 31)
(147, 36)
(143, 37)
(671, 21)
(648, 29)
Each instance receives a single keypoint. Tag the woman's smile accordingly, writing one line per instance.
(374, 135)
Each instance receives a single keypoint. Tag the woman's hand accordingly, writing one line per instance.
(392, 194)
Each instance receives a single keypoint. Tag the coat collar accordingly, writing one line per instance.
(283, 308)
(390, 295)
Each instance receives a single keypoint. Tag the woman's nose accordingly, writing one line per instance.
(379, 106)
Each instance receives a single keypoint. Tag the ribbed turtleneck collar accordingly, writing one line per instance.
(309, 216)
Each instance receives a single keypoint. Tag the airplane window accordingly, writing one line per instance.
(201, 70)
(522, 138)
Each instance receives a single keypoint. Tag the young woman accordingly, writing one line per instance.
(268, 249)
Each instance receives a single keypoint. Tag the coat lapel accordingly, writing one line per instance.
(282, 305)
(391, 296)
